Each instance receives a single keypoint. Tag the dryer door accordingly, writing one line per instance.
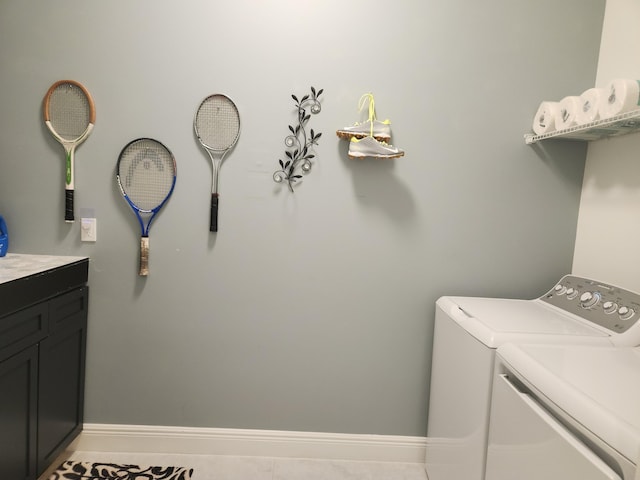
(527, 443)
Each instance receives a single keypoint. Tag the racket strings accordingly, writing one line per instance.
(146, 174)
(217, 123)
(69, 111)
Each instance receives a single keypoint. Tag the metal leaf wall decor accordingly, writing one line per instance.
(299, 142)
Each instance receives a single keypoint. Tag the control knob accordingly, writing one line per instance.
(609, 307)
(559, 289)
(626, 313)
(589, 299)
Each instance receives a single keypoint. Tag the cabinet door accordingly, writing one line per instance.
(18, 415)
(61, 382)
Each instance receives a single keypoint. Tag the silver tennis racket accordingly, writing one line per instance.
(146, 175)
(217, 126)
(69, 114)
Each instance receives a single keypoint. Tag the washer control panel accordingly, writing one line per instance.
(606, 305)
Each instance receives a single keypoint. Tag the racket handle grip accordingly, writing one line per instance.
(68, 206)
(213, 226)
(144, 256)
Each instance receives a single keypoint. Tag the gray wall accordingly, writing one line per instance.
(314, 310)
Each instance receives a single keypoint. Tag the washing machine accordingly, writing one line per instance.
(561, 412)
(468, 330)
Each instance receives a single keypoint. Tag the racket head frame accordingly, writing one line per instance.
(69, 143)
(144, 227)
(52, 89)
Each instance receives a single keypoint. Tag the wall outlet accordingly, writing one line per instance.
(88, 229)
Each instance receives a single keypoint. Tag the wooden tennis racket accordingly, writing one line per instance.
(69, 114)
(217, 126)
(146, 175)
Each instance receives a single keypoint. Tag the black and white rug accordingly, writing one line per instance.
(112, 471)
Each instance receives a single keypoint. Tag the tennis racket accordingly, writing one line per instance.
(146, 175)
(217, 126)
(70, 115)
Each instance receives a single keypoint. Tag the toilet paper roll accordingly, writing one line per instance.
(589, 108)
(544, 121)
(620, 96)
(567, 110)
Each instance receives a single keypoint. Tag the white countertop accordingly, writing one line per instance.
(18, 265)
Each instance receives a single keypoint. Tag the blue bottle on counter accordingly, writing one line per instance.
(4, 237)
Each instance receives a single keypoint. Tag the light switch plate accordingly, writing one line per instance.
(88, 229)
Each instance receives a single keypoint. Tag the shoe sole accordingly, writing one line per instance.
(350, 135)
(384, 156)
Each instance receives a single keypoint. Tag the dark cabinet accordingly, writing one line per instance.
(42, 365)
(61, 376)
(18, 415)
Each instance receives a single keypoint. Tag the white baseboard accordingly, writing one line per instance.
(259, 443)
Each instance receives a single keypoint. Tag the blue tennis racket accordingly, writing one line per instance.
(146, 175)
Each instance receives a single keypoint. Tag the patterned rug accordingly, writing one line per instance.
(111, 471)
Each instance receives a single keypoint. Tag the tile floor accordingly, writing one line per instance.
(219, 467)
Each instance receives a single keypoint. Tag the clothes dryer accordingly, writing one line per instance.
(468, 330)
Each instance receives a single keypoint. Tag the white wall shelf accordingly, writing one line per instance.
(622, 124)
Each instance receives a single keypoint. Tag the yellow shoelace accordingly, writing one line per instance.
(372, 107)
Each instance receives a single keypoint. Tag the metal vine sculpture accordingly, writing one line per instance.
(299, 143)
